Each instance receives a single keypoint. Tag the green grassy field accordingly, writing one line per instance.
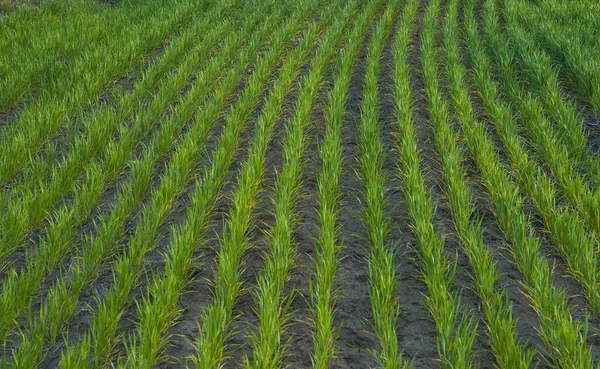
(327, 184)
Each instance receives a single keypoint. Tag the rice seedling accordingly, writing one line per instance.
(455, 328)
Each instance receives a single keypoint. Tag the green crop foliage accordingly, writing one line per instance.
(564, 336)
(557, 157)
(97, 249)
(322, 288)
(455, 328)
(30, 202)
(501, 325)
(51, 44)
(577, 60)
(60, 233)
(544, 79)
(159, 309)
(178, 180)
(78, 87)
(268, 348)
(382, 273)
(129, 267)
(217, 316)
(574, 244)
